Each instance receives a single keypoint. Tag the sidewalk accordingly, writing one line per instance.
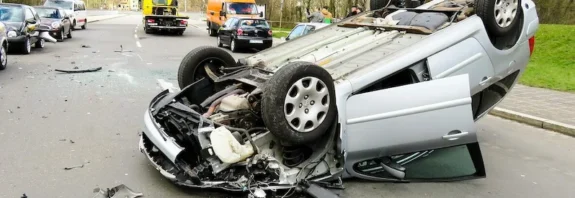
(544, 108)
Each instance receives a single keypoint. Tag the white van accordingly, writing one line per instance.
(76, 9)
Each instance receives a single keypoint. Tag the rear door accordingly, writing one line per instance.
(419, 131)
(225, 32)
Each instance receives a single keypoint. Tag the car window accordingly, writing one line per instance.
(11, 14)
(242, 8)
(229, 22)
(254, 23)
(234, 23)
(67, 5)
(296, 32)
(48, 13)
(308, 29)
(28, 14)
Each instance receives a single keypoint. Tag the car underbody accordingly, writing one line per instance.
(218, 131)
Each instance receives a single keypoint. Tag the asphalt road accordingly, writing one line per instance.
(102, 113)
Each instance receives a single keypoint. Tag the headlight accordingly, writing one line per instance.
(12, 33)
(55, 25)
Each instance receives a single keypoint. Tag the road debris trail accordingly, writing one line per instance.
(80, 71)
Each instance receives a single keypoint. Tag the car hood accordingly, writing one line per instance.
(16, 26)
(49, 21)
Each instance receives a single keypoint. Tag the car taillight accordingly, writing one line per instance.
(151, 20)
(183, 22)
(240, 32)
(531, 45)
(270, 32)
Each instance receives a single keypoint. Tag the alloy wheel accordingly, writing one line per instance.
(505, 12)
(306, 104)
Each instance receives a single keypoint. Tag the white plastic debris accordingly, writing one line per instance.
(227, 148)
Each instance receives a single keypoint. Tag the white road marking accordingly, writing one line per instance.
(136, 30)
(135, 36)
(138, 44)
(140, 57)
(166, 85)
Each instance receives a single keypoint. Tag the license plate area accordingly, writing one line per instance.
(256, 41)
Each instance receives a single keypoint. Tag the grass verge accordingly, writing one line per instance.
(552, 65)
(280, 32)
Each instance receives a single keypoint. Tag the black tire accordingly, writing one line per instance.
(147, 30)
(85, 24)
(378, 4)
(234, 46)
(274, 97)
(219, 41)
(74, 25)
(485, 9)
(191, 69)
(40, 43)
(3, 57)
(61, 35)
(26, 47)
(69, 35)
(211, 31)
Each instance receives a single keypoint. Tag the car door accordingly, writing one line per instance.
(65, 20)
(296, 32)
(422, 131)
(224, 31)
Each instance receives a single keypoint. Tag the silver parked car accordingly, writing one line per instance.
(391, 94)
(304, 29)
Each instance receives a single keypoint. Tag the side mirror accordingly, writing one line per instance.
(212, 12)
(261, 14)
(31, 21)
(287, 38)
(67, 17)
(222, 13)
(224, 25)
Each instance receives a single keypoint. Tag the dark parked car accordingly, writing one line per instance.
(245, 33)
(21, 22)
(3, 47)
(58, 21)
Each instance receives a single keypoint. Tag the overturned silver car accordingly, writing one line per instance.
(388, 95)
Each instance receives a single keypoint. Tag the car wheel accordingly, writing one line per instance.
(500, 17)
(61, 36)
(85, 24)
(195, 63)
(69, 33)
(147, 30)
(3, 58)
(74, 25)
(211, 31)
(233, 46)
(27, 46)
(220, 42)
(306, 94)
(40, 43)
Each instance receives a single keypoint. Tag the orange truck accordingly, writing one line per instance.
(219, 10)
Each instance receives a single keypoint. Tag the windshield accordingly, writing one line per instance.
(48, 13)
(68, 5)
(242, 8)
(11, 14)
(254, 23)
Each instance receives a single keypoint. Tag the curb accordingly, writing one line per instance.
(534, 121)
(117, 16)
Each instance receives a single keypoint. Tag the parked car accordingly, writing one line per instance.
(58, 21)
(392, 94)
(76, 10)
(24, 27)
(241, 33)
(3, 47)
(304, 29)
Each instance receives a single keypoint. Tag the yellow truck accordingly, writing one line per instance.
(163, 16)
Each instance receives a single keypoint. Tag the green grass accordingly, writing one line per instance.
(280, 32)
(552, 65)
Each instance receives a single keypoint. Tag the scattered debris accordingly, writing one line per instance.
(72, 141)
(117, 133)
(122, 49)
(80, 71)
(44, 117)
(10, 111)
(57, 56)
(18, 107)
(62, 140)
(76, 67)
(65, 100)
(24, 196)
(73, 62)
(73, 167)
(85, 46)
(111, 70)
(120, 191)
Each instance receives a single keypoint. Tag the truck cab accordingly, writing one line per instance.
(218, 11)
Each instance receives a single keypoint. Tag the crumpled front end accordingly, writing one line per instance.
(199, 150)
